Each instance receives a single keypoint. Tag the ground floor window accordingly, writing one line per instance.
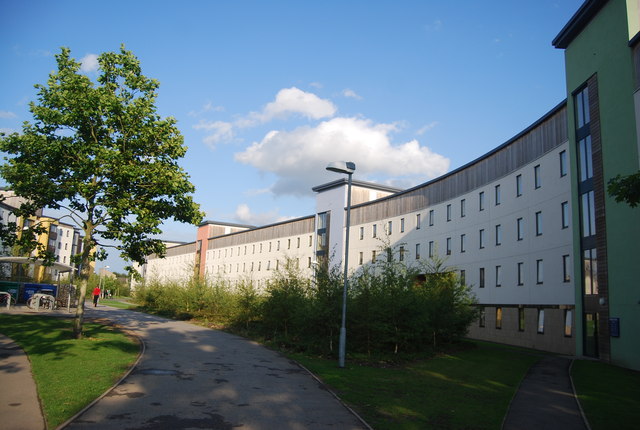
(541, 321)
(499, 318)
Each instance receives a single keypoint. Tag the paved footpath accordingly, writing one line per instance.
(545, 399)
(19, 404)
(192, 377)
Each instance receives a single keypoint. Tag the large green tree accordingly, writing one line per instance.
(100, 152)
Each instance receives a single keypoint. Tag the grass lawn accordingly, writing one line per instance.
(609, 395)
(117, 303)
(70, 373)
(466, 389)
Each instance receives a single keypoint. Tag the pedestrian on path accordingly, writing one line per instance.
(96, 295)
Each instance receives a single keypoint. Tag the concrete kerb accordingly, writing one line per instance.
(575, 396)
(119, 381)
(516, 416)
(325, 387)
(65, 314)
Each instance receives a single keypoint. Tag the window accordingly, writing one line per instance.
(481, 238)
(402, 253)
(582, 108)
(448, 246)
(463, 277)
(520, 274)
(463, 208)
(309, 261)
(401, 225)
(497, 194)
(389, 227)
(361, 258)
(361, 233)
(373, 256)
(417, 251)
(588, 210)
(585, 155)
(310, 242)
(417, 221)
(498, 235)
(481, 317)
(563, 163)
(481, 280)
(389, 255)
(518, 185)
(541, 321)
(519, 229)
(431, 249)
(288, 243)
(564, 208)
(374, 231)
(566, 269)
(449, 212)
(253, 249)
(590, 271)
(431, 216)
(463, 242)
(537, 176)
(539, 271)
(568, 322)
(481, 201)
(538, 223)
(498, 318)
(298, 242)
(498, 276)
(520, 319)
(278, 246)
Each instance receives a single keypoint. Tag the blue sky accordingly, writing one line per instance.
(267, 93)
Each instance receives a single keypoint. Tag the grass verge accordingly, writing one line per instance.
(609, 395)
(449, 391)
(70, 373)
(116, 303)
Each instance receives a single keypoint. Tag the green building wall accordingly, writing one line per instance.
(602, 49)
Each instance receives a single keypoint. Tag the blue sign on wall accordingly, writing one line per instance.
(614, 327)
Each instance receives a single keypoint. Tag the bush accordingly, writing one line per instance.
(391, 308)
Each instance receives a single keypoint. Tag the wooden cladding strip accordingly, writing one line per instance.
(274, 231)
(549, 133)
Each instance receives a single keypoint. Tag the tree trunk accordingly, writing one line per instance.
(78, 321)
(85, 271)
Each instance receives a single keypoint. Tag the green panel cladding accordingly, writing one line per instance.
(601, 49)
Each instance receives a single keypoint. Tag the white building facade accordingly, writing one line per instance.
(502, 221)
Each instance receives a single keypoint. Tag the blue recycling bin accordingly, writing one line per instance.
(31, 289)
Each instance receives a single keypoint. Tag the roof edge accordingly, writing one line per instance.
(577, 23)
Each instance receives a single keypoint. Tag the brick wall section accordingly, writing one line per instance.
(599, 187)
(553, 338)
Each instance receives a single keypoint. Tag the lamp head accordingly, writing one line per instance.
(347, 167)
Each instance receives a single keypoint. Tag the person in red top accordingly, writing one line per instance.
(96, 295)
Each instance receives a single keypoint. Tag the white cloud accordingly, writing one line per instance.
(295, 101)
(219, 131)
(89, 63)
(434, 26)
(298, 157)
(288, 101)
(207, 107)
(7, 115)
(351, 94)
(8, 131)
(244, 215)
(426, 128)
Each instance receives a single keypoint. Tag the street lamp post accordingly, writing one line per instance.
(100, 278)
(346, 167)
